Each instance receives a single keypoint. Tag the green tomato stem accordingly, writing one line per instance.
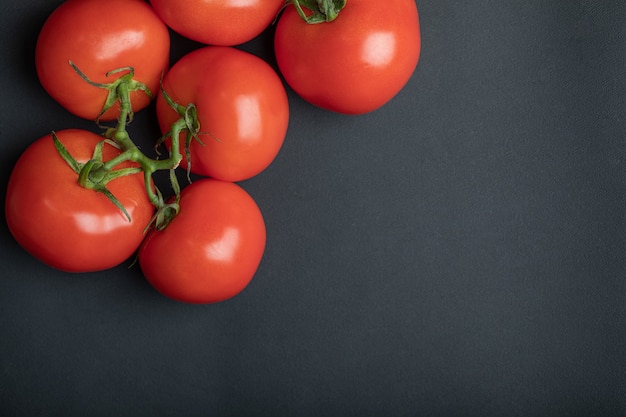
(132, 153)
(95, 173)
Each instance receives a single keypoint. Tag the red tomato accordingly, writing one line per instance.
(99, 36)
(241, 103)
(218, 22)
(64, 225)
(355, 63)
(211, 250)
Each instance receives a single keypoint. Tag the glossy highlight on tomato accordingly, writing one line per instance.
(218, 22)
(354, 64)
(64, 225)
(211, 250)
(99, 36)
(242, 108)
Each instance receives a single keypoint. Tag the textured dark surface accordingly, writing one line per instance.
(459, 252)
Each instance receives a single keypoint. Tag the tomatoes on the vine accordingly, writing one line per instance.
(64, 225)
(100, 36)
(211, 250)
(241, 105)
(355, 63)
(225, 112)
(218, 22)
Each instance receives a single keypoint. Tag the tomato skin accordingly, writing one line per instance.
(100, 36)
(218, 22)
(211, 250)
(241, 103)
(64, 225)
(354, 64)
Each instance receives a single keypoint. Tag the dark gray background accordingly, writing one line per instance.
(459, 252)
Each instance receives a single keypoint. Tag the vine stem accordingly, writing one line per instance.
(96, 173)
(132, 153)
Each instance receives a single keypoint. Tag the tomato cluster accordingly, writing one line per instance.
(81, 202)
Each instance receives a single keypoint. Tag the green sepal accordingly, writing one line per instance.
(62, 150)
(321, 10)
(108, 194)
(175, 184)
(113, 95)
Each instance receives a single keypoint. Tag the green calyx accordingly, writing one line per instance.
(188, 123)
(166, 210)
(113, 87)
(320, 10)
(92, 174)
